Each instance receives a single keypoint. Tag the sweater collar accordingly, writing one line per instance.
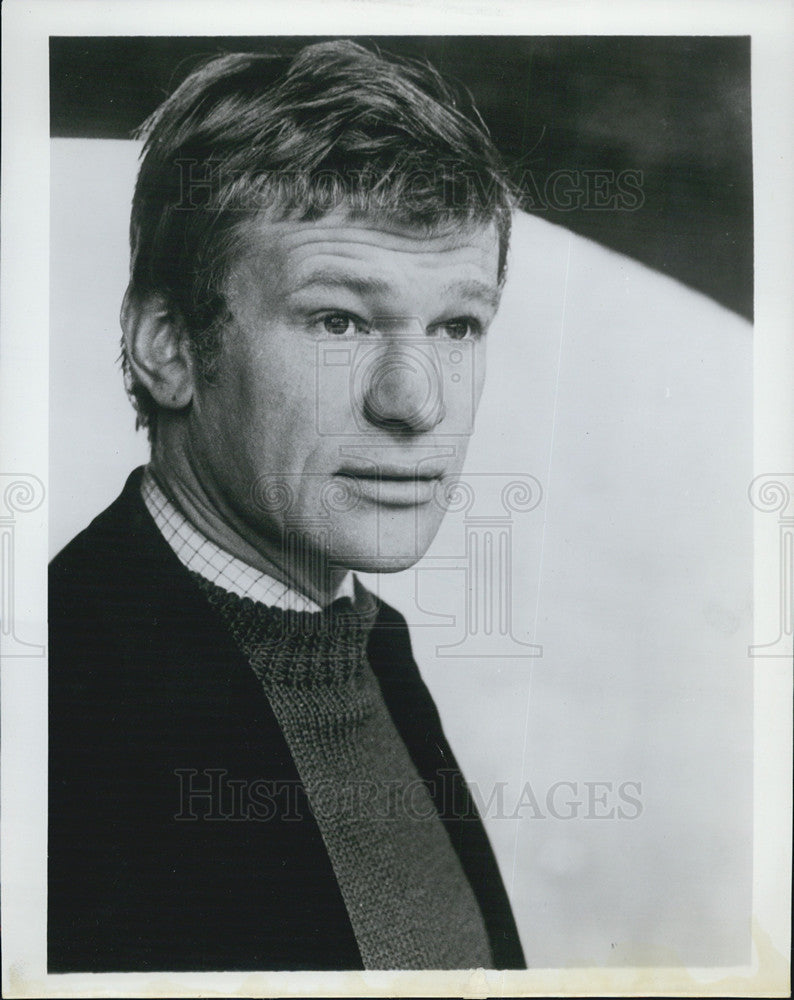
(288, 648)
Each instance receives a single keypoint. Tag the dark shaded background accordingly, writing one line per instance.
(675, 109)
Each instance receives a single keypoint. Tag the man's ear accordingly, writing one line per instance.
(157, 349)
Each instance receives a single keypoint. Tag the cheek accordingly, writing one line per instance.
(276, 435)
(270, 385)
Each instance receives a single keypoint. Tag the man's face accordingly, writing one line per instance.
(346, 388)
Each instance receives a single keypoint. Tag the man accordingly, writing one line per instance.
(246, 770)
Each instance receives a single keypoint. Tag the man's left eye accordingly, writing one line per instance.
(460, 328)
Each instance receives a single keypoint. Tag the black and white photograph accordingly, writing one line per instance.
(397, 523)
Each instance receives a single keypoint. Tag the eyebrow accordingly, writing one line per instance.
(339, 279)
(474, 290)
(364, 286)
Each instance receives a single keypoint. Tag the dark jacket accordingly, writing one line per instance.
(151, 703)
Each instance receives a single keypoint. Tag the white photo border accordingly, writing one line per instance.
(24, 325)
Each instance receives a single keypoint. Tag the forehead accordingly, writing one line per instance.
(338, 246)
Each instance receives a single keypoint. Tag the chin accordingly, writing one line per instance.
(379, 551)
(377, 564)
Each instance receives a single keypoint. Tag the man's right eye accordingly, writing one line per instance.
(342, 324)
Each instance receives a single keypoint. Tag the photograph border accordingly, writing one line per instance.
(24, 411)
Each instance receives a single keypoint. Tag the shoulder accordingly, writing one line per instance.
(108, 534)
(120, 551)
(114, 581)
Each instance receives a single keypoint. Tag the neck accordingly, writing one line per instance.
(307, 573)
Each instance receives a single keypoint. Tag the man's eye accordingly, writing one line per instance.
(460, 328)
(341, 325)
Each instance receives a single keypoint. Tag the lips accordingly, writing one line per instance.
(395, 486)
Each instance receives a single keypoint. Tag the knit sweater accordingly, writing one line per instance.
(408, 899)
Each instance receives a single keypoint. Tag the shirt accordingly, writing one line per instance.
(201, 555)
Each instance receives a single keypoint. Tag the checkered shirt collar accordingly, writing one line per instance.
(201, 555)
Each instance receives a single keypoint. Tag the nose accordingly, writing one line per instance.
(403, 389)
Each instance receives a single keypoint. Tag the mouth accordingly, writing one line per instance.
(393, 486)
